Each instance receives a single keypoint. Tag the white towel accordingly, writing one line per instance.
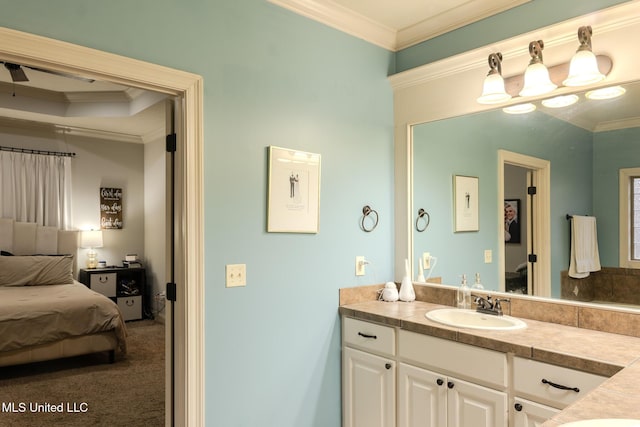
(585, 257)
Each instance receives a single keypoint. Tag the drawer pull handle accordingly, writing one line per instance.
(130, 303)
(439, 381)
(450, 384)
(560, 386)
(367, 336)
(104, 279)
(518, 407)
(388, 365)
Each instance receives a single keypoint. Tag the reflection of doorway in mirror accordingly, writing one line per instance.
(516, 181)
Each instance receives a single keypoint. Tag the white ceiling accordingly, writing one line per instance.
(79, 106)
(397, 24)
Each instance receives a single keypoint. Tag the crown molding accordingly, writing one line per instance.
(343, 19)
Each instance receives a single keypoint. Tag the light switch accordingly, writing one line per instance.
(236, 275)
(360, 263)
(426, 260)
(488, 256)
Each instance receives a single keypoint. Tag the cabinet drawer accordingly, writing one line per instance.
(130, 307)
(528, 377)
(369, 336)
(104, 283)
(462, 360)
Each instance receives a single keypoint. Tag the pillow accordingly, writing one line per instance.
(5, 253)
(36, 270)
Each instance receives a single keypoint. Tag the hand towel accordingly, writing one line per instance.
(585, 257)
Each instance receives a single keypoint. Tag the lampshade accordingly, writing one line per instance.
(583, 69)
(606, 93)
(91, 239)
(536, 76)
(493, 91)
(560, 101)
(520, 108)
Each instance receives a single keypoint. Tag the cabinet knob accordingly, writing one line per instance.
(450, 384)
(518, 407)
(388, 365)
(439, 381)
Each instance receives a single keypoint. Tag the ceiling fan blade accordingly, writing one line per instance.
(17, 73)
(57, 73)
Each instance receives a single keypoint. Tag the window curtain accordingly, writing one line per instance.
(36, 188)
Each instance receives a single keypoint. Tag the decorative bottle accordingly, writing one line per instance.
(406, 286)
(463, 295)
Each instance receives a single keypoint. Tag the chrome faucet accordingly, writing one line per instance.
(488, 305)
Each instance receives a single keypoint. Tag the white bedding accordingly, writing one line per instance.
(33, 315)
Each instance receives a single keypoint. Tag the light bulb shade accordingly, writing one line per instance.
(536, 80)
(91, 239)
(520, 108)
(560, 101)
(583, 69)
(606, 93)
(493, 91)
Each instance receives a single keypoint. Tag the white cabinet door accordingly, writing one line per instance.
(531, 414)
(471, 405)
(422, 397)
(368, 390)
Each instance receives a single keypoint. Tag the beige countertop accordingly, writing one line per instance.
(603, 353)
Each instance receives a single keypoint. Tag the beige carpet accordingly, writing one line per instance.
(129, 392)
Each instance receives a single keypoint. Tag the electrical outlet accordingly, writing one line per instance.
(236, 275)
(488, 256)
(426, 260)
(360, 263)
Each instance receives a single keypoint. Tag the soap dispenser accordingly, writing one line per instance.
(406, 286)
(477, 286)
(463, 295)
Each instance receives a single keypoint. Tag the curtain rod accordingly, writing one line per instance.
(30, 151)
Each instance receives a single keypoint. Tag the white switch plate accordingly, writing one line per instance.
(488, 256)
(426, 260)
(360, 266)
(236, 275)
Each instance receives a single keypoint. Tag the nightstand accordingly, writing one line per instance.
(124, 286)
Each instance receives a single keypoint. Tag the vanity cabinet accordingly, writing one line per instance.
(542, 390)
(434, 394)
(368, 374)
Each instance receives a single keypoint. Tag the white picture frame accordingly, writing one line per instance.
(465, 203)
(294, 191)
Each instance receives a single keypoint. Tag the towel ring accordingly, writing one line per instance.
(366, 211)
(422, 214)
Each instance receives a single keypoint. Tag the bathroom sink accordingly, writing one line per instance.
(461, 318)
(603, 423)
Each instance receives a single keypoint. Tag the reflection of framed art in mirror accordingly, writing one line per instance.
(465, 202)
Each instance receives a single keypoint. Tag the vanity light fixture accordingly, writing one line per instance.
(606, 93)
(583, 69)
(536, 76)
(560, 101)
(520, 108)
(493, 91)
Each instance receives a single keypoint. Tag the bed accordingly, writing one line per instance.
(45, 313)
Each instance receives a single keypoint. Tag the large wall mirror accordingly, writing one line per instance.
(584, 146)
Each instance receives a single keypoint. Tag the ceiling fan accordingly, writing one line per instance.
(18, 74)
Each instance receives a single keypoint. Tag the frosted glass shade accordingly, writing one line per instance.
(583, 69)
(91, 239)
(536, 80)
(493, 91)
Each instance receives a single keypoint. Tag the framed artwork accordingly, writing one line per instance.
(465, 203)
(511, 221)
(294, 191)
(111, 208)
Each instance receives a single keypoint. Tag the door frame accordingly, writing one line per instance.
(541, 213)
(42, 52)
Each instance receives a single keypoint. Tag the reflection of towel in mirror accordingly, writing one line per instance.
(585, 257)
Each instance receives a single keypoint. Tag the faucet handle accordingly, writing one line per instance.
(498, 305)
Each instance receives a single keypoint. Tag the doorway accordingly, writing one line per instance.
(188, 312)
(526, 180)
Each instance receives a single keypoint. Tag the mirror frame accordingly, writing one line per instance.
(451, 80)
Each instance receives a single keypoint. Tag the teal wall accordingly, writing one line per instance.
(271, 77)
(522, 19)
(612, 151)
(468, 146)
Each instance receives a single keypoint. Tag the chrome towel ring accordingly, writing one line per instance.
(426, 219)
(368, 212)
